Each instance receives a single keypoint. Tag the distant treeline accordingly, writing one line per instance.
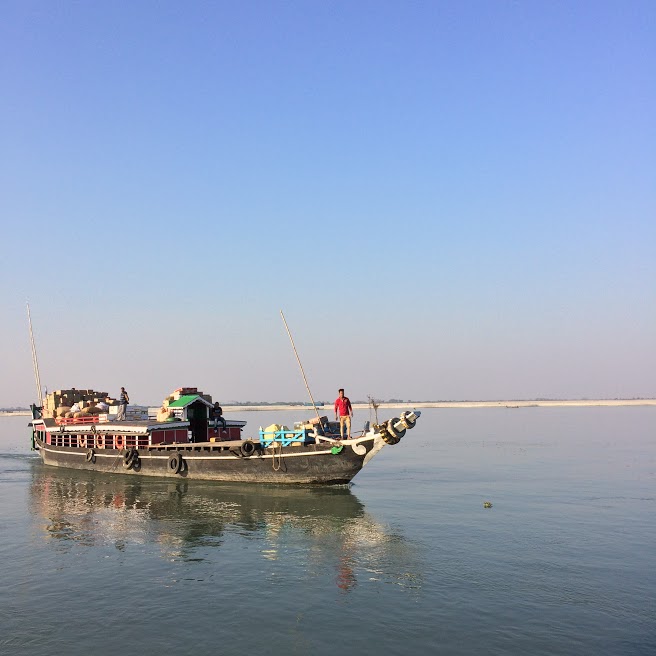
(16, 409)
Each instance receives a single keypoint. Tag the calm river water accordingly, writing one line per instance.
(405, 561)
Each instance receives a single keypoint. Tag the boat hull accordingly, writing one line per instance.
(308, 464)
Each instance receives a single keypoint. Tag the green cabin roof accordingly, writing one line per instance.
(184, 401)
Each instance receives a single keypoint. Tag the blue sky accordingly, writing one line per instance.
(449, 200)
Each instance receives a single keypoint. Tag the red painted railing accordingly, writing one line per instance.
(89, 419)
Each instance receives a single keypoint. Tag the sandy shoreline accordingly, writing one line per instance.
(437, 404)
(326, 409)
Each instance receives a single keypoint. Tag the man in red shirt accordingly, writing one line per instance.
(344, 411)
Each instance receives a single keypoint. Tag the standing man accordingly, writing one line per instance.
(123, 401)
(344, 411)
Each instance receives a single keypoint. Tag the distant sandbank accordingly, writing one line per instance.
(436, 404)
(459, 404)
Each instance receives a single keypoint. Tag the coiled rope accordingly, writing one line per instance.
(275, 445)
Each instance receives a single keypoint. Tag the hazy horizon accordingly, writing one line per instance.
(325, 403)
(447, 200)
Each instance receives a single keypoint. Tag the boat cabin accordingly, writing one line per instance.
(197, 408)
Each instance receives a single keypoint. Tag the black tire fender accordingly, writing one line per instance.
(91, 456)
(388, 439)
(397, 434)
(247, 448)
(406, 422)
(130, 457)
(175, 463)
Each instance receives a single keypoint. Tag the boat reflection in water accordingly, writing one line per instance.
(192, 521)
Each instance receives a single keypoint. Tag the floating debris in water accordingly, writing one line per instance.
(487, 504)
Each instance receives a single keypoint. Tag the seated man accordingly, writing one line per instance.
(216, 414)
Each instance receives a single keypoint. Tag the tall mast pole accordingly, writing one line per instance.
(35, 363)
(301, 366)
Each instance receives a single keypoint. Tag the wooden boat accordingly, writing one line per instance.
(193, 445)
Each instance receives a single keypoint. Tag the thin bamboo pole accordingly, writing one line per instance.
(314, 405)
(35, 363)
